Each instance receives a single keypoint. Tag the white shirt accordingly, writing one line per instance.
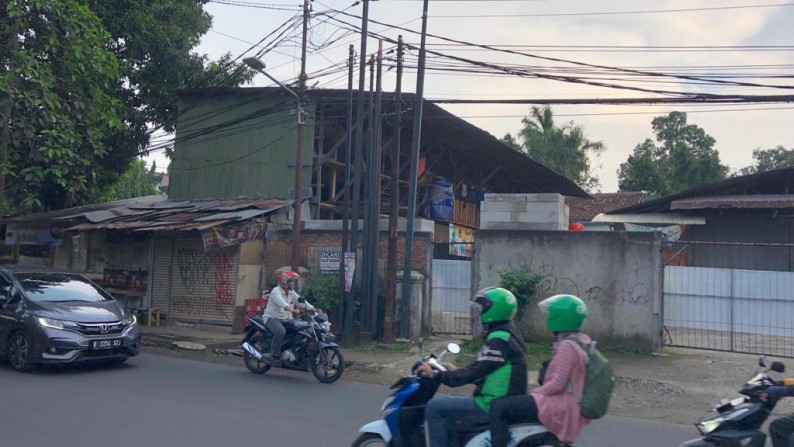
(279, 299)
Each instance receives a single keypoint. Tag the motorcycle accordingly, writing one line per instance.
(308, 346)
(738, 422)
(403, 422)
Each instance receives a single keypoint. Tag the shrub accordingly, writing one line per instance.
(523, 284)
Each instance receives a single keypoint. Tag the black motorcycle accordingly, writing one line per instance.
(738, 422)
(308, 346)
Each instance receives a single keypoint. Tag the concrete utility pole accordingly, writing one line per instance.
(394, 202)
(375, 218)
(359, 137)
(366, 253)
(346, 303)
(296, 224)
(415, 142)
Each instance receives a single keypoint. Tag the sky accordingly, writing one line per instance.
(556, 29)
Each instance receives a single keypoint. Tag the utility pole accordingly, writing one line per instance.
(359, 135)
(296, 224)
(394, 202)
(366, 257)
(346, 303)
(415, 141)
(375, 218)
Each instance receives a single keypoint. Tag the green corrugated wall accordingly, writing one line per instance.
(238, 145)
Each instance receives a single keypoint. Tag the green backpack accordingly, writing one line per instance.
(598, 382)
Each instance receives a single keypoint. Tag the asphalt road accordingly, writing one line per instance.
(171, 402)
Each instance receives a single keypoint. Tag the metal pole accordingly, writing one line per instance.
(394, 203)
(346, 303)
(296, 224)
(376, 171)
(359, 133)
(415, 141)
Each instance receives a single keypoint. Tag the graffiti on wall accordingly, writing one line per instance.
(199, 268)
(197, 306)
(630, 289)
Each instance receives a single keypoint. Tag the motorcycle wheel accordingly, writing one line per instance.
(262, 344)
(327, 364)
(369, 440)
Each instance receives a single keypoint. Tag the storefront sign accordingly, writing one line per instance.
(329, 261)
(233, 234)
(461, 240)
(31, 235)
(350, 270)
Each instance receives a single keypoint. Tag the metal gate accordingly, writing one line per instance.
(451, 295)
(730, 297)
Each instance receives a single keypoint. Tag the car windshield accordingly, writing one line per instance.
(59, 287)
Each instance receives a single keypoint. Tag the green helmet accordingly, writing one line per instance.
(496, 304)
(566, 313)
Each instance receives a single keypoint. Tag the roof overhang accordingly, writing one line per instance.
(759, 201)
(651, 219)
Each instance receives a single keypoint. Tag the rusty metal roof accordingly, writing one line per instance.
(760, 201)
(161, 214)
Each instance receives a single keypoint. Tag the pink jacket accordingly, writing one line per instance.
(558, 398)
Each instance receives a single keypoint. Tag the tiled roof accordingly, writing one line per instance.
(584, 210)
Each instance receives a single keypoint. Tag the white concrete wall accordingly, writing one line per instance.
(523, 212)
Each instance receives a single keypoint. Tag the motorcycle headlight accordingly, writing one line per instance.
(56, 324)
(129, 320)
(326, 326)
(709, 426)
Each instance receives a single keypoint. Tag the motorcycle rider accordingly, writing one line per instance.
(555, 402)
(781, 430)
(499, 370)
(282, 303)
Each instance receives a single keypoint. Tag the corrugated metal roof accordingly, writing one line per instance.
(760, 201)
(584, 210)
(651, 219)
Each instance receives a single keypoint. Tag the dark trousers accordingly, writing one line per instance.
(448, 416)
(780, 430)
(278, 330)
(510, 410)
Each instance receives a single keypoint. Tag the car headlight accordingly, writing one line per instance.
(57, 324)
(129, 320)
(709, 426)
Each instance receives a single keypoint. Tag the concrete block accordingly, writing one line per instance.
(504, 206)
(523, 226)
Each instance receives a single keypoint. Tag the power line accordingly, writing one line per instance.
(569, 115)
(605, 13)
(174, 165)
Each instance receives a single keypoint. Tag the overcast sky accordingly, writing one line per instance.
(737, 129)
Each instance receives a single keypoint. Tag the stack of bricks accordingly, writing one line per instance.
(523, 212)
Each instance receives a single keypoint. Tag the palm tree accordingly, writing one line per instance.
(564, 149)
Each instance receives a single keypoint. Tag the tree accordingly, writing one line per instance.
(85, 81)
(768, 159)
(136, 181)
(564, 149)
(684, 158)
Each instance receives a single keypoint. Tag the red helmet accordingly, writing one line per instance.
(287, 278)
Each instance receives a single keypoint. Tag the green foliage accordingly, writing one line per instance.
(323, 292)
(565, 149)
(684, 158)
(85, 81)
(523, 284)
(768, 159)
(136, 181)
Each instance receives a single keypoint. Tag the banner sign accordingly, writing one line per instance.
(233, 234)
(27, 234)
(329, 261)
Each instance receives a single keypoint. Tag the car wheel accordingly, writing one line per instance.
(20, 352)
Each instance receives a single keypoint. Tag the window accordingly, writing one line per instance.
(59, 287)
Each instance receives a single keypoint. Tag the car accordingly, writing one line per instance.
(50, 316)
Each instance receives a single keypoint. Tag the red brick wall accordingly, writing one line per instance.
(422, 246)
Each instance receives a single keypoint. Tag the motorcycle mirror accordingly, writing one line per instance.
(453, 348)
(778, 367)
(420, 344)
(762, 361)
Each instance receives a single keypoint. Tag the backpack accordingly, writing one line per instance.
(598, 382)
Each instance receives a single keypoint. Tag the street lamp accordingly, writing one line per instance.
(259, 66)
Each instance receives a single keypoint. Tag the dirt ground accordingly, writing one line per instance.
(679, 386)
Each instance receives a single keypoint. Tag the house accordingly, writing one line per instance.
(583, 210)
(729, 276)
(223, 230)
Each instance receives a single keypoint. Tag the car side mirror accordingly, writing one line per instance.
(778, 367)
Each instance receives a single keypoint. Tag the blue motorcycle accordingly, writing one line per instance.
(403, 422)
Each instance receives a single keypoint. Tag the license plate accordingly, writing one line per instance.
(105, 344)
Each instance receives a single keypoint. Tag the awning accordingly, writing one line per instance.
(651, 219)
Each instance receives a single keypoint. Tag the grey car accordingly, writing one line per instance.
(53, 316)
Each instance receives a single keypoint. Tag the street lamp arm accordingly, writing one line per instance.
(259, 66)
